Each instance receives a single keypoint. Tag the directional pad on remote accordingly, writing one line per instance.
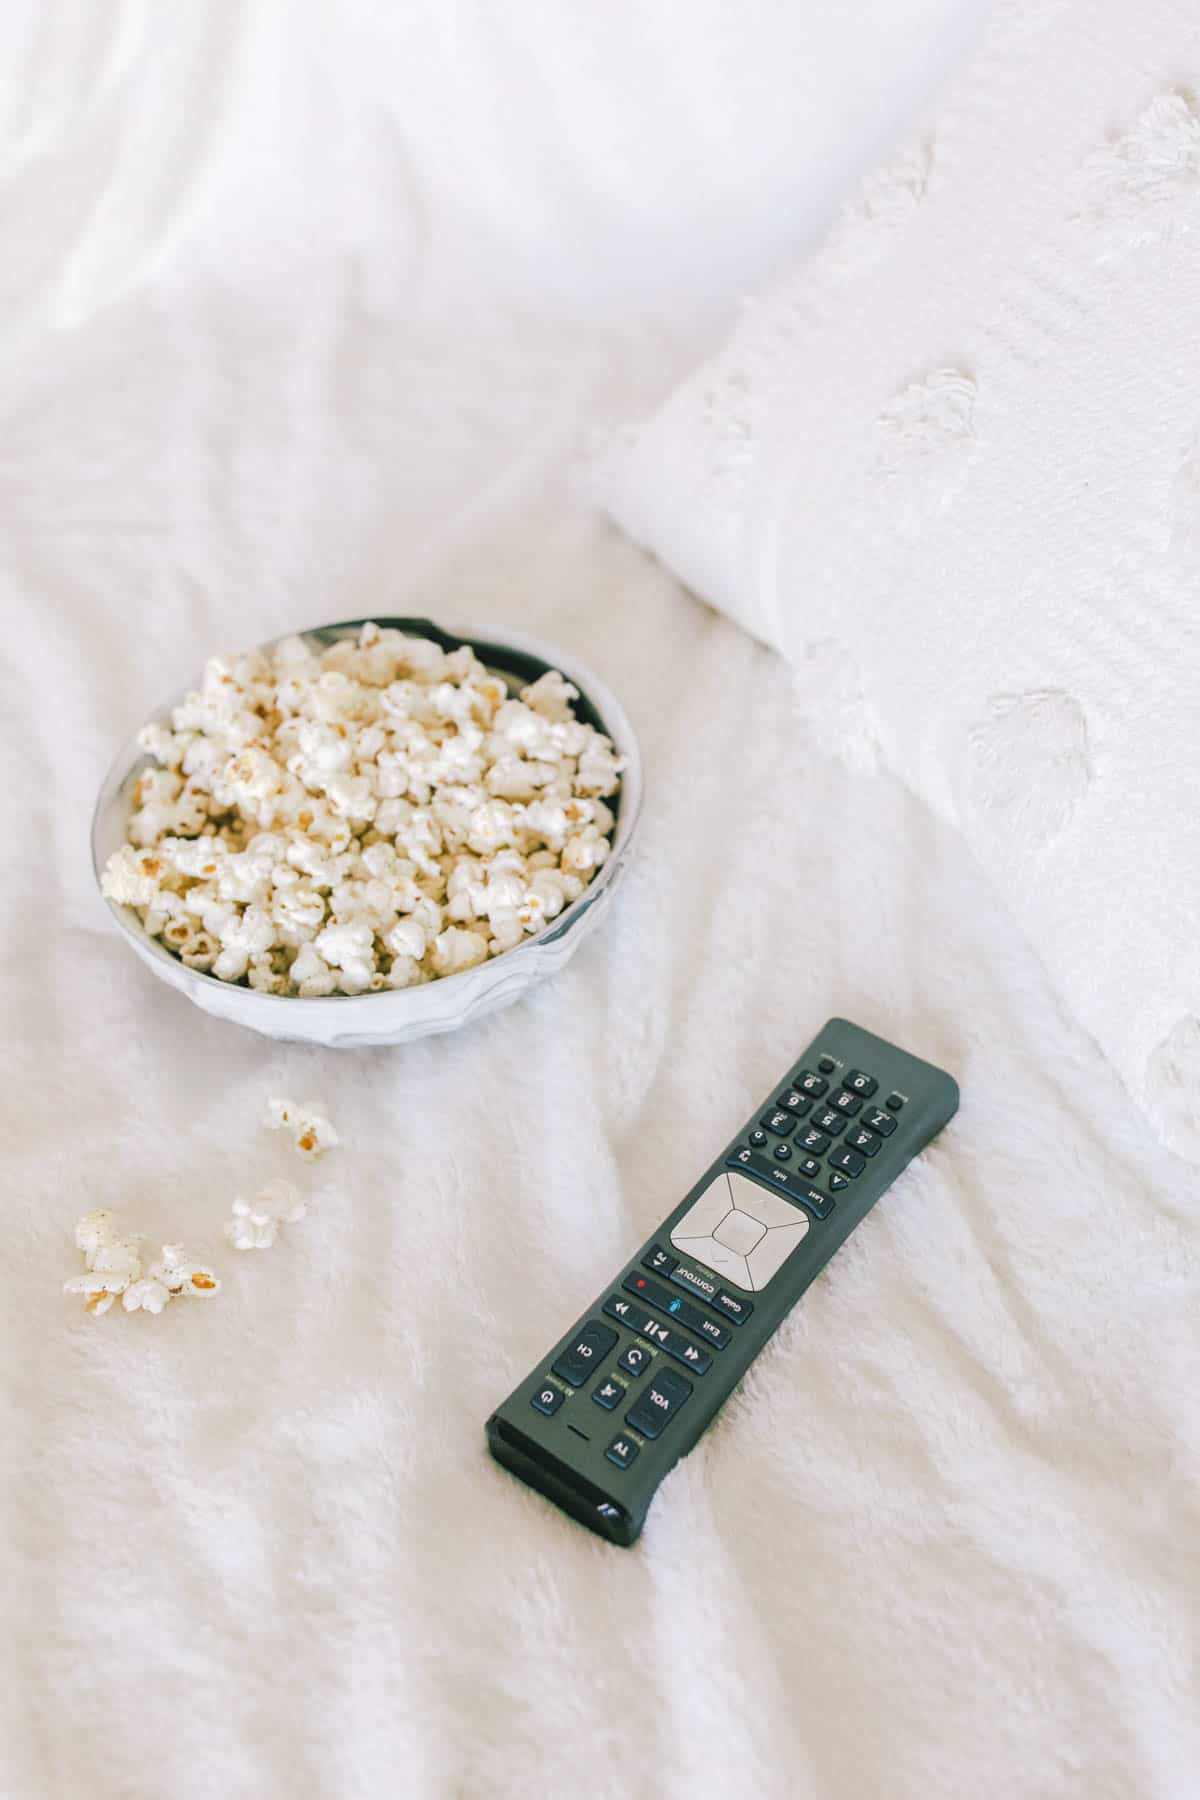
(740, 1230)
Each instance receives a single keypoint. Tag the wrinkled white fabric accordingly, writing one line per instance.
(938, 1544)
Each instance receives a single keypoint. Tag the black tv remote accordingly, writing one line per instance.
(632, 1385)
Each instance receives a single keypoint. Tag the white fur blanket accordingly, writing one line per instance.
(940, 1543)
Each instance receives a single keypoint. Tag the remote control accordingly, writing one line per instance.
(636, 1380)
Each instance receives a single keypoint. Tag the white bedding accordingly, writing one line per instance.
(940, 1543)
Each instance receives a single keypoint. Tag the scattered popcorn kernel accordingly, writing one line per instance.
(99, 1291)
(148, 1295)
(255, 1222)
(180, 1275)
(308, 1122)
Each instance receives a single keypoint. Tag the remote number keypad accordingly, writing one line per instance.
(828, 1114)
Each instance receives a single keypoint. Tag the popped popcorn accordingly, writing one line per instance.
(370, 814)
(255, 1223)
(147, 1295)
(309, 1124)
(115, 1270)
(181, 1274)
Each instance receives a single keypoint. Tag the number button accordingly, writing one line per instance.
(808, 1083)
(862, 1084)
(866, 1141)
(780, 1122)
(548, 1400)
(848, 1161)
(633, 1359)
(882, 1122)
(847, 1103)
(815, 1142)
(622, 1451)
(828, 1120)
(795, 1101)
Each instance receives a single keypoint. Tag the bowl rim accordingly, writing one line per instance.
(599, 701)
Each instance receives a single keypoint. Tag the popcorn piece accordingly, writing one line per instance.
(349, 947)
(455, 950)
(181, 1275)
(551, 696)
(308, 1122)
(599, 770)
(93, 1230)
(255, 1222)
(113, 1259)
(107, 1249)
(148, 1295)
(132, 877)
(99, 1290)
(584, 853)
(311, 975)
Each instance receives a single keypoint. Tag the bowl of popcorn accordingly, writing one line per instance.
(370, 831)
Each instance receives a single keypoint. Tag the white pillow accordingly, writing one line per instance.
(952, 471)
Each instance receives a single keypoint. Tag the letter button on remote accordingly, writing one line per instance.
(583, 1357)
(733, 1306)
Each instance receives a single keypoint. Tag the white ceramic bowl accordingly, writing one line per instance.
(395, 1016)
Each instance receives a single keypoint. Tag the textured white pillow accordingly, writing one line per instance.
(952, 471)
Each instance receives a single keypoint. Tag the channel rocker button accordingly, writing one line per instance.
(583, 1357)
